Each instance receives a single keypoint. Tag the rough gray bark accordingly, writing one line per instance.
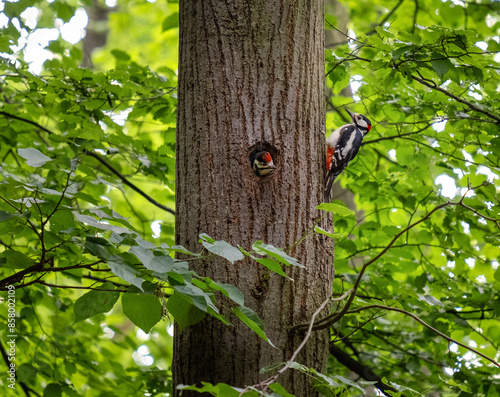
(250, 74)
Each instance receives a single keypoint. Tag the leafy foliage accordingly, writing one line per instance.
(428, 80)
(87, 196)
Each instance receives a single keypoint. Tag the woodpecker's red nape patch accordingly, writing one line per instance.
(267, 157)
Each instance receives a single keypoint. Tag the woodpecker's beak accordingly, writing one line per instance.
(270, 167)
(350, 114)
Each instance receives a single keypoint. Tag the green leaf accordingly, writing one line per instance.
(120, 55)
(452, 382)
(52, 390)
(95, 302)
(253, 321)
(348, 382)
(33, 157)
(271, 264)
(184, 312)
(5, 216)
(496, 275)
(320, 230)
(145, 244)
(91, 221)
(63, 10)
(220, 390)
(197, 296)
(125, 271)
(99, 247)
(143, 310)
(339, 76)
(26, 373)
(161, 264)
(423, 237)
(221, 248)
(143, 254)
(276, 387)
(12, 259)
(336, 209)
(229, 290)
(441, 66)
(429, 299)
(182, 250)
(267, 249)
(170, 22)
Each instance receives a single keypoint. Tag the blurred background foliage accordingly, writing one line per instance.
(87, 151)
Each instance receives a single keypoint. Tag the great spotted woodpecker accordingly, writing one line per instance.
(262, 163)
(342, 146)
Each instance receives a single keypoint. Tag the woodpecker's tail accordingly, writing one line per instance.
(330, 178)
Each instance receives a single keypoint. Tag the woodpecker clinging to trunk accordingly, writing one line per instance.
(342, 146)
(262, 163)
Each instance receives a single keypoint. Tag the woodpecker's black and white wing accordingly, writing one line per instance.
(343, 145)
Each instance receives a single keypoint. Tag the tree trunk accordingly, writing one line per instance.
(251, 76)
(97, 31)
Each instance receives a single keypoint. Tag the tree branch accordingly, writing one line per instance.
(128, 183)
(415, 15)
(102, 161)
(418, 319)
(443, 153)
(334, 317)
(26, 121)
(15, 278)
(433, 86)
(362, 370)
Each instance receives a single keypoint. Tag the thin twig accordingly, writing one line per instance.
(384, 20)
(444, 336)
(266, 383)
(79, 287)
(43, 223)
(346, 35)
(386, 138)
